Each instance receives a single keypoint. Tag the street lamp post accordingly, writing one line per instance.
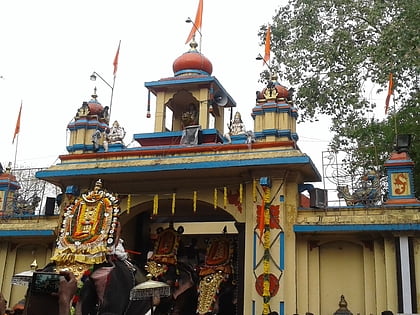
(188, 20)
(93, 78)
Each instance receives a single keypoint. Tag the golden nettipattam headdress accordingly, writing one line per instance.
(216, 269)
(88, 231)
(165, 251)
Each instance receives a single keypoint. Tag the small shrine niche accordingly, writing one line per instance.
(181, 111)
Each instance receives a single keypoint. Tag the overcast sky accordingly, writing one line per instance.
(49, 48)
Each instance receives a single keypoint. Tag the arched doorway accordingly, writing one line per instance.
(201, 223)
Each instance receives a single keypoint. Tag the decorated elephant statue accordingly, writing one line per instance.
(367, 193)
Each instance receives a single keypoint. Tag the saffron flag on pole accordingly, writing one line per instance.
(197, 22)
(115, 63)
(17, 128)
(390, 91)
(267, 45)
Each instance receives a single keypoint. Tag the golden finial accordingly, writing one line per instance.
(193, 44)
(94, 95)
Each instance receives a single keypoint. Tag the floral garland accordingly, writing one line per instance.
(266, 244)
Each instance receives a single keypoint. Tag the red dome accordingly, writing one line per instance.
(95, 108)
(192, 62)
(282, 92)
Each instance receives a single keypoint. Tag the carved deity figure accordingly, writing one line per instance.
(190, 117)
(116, 134)
(83, 111)
(95, 140)
(237, 127)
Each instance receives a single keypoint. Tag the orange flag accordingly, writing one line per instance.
(115, 63)
(267, 45)
(197, 23)
(17, 128)
(390, 91)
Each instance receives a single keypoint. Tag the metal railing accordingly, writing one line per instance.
(35, 197)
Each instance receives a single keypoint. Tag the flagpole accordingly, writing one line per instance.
(112, 95)
(17, 131)
(267, 51)
(115, 63)
(188, 20)
(196, 24)
(16, 150)
(395, 116)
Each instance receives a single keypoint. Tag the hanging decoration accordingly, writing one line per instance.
(148, 105)
(155, 204)
(173, 203)
(241, 193)
(215, 198)
(128, 203)
(224, 197)
(254, 190)
(195, 201)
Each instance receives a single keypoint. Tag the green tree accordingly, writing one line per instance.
(368, 142)
(333, 52)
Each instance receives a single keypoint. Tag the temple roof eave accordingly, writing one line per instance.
(155, 169)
